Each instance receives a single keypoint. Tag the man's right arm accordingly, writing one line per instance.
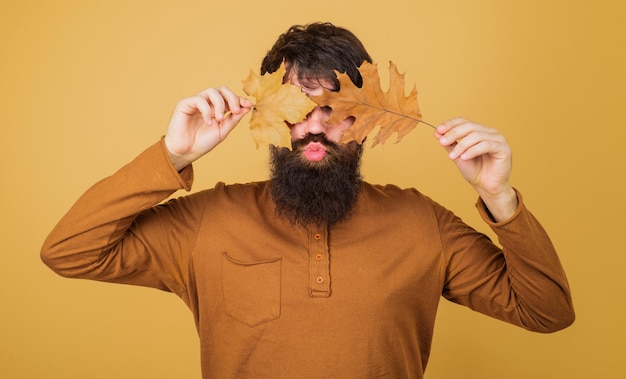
(100, 238)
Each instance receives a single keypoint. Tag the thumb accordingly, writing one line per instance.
(447, 145)
(229, 123)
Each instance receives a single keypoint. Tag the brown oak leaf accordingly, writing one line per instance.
(276, 102)
(391, 111)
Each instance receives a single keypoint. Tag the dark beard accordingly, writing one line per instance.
(318, 193)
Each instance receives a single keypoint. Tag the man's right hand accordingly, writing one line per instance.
(201, 122)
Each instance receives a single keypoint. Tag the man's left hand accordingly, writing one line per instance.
(483, 157)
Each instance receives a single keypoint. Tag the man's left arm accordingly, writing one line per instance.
(534, 273)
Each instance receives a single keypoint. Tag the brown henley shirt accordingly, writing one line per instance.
(274, 300)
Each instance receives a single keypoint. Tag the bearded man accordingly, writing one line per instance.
(314, 273)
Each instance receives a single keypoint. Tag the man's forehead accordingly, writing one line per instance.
(303, 79)
(308, 82)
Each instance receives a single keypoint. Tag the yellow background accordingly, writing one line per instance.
(86, 85)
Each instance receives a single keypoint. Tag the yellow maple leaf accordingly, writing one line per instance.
(392, 111)
(276, 102)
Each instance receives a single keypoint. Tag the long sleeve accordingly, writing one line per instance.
(255, 282)
(99, 237)
(523, 283)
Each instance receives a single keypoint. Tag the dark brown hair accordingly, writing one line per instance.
(315, 51)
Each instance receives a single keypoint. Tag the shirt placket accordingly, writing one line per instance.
(319, 262)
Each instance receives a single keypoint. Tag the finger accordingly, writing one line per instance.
(480, 148)
(214, 98)
(450, 133)
(480, 143)
(447, 125)
(208, 111)
(465, 141)
(246, 104)
(193, 105)
(231, 121)
(463, 129)
(233, 101)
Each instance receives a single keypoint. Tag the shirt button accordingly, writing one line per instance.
(318, 257)
(317, 236)
(319, 280)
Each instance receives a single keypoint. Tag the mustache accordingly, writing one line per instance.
(319, 138)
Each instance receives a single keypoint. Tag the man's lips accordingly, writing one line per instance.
(314, 151)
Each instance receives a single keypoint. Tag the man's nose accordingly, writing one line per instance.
(317, 121)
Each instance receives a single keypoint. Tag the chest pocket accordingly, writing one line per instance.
(251, 290)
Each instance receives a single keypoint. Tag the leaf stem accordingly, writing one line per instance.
(398, 114)
(424, 122)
